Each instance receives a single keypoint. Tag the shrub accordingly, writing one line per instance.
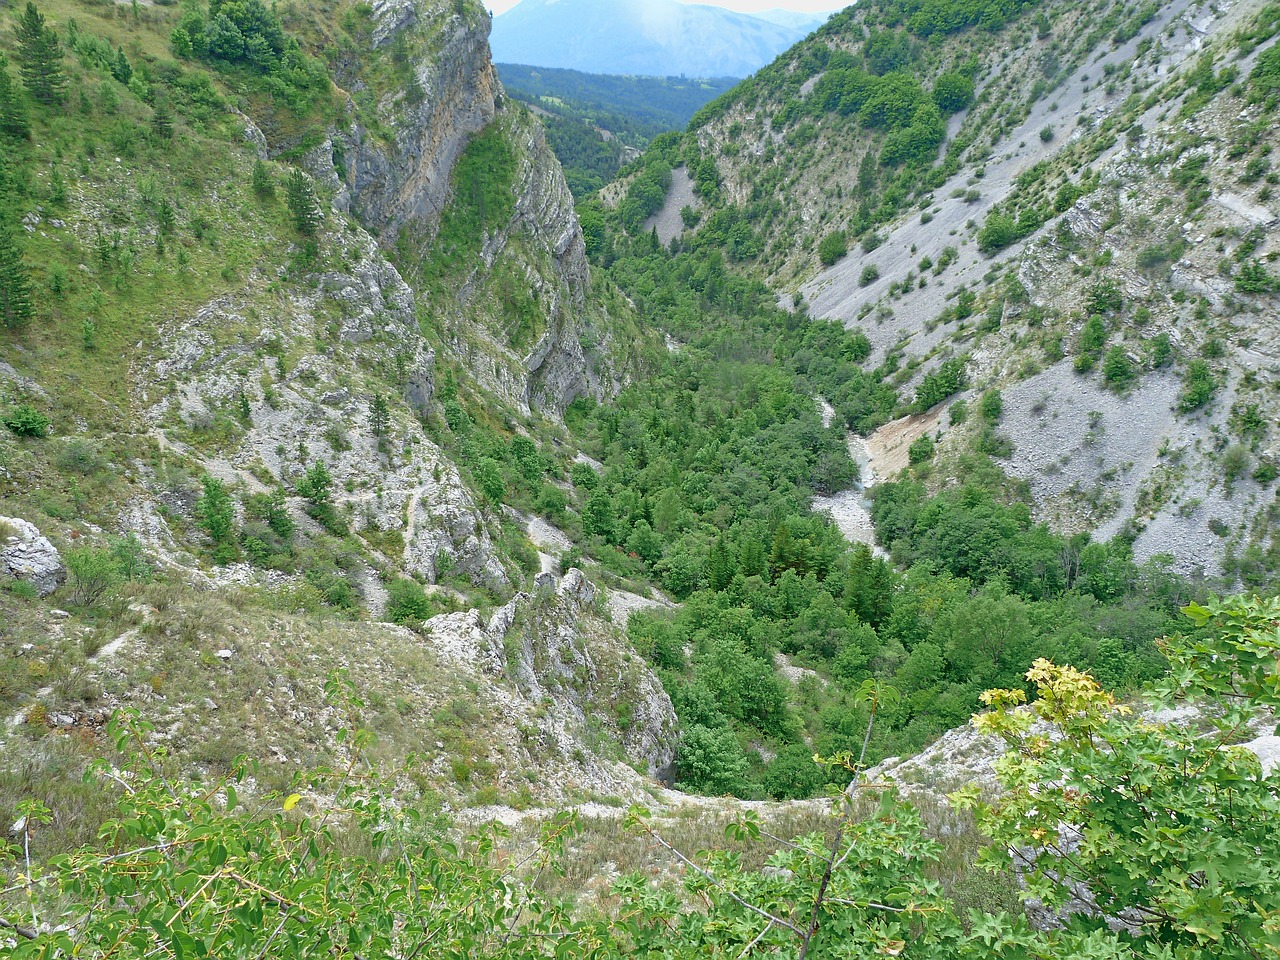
(1046, 132)
(921, 451)
(91, 574)
(991, 407)
(26, 421)
(998, 231)
(870, 274)
(1198, 387)
(833, 247)
(407, 602)
(1118, 370)
(216, 513)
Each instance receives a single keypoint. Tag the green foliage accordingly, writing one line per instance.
(645, 196)
(26, 421)
(991, 406)
(1074, 779)
(316, 484)
(379, 415)
(216, 513)
(711, 762)
(300, 196)
(870, 274)
(483, 198)
(1254, 278)
(15, 283)
(1093, 337)
(1104, 298)
(347, 866)
(833, 247)
(14, 124)
(263, 183)
(1118, 370)
(953, 92)
(407, 603)
(91, 574)
(946, 381)
(1265, 76)
(1198, 386)
(40, 58)
(921, 450)
(998, 231)
(245, 37)
(488, 475)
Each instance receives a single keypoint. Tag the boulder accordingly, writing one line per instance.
(26, 554)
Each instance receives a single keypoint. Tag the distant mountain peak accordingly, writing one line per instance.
(642, 37)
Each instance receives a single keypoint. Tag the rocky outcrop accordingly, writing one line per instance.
(27, 555)
(318, 407)
(571, 666)
(399, 187)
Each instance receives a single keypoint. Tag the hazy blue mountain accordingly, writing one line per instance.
(795, 19)
(644, 37)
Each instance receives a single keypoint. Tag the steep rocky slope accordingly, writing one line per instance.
(1110, 161)
(293, 387)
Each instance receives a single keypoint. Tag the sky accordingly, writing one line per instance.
(742, 6)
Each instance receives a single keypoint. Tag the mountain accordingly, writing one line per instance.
(643, 37)
(795, 19)
(1071, 213)
(400, 559)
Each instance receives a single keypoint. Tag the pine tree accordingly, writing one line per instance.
(379, 415)
(13, 115)
(15, 286)
(121, 69)
(301, 198)
(162, 121)
(263, 183)
(40, 55)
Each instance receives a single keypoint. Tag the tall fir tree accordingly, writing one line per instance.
(40, 56)
(301, 198)
(15, 286)
(13, 114)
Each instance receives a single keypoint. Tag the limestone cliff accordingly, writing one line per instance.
(517, 313)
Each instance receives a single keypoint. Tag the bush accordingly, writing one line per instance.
(833, 247)
(26, 421)
(1198, 387)
(407, 603)
(991, 406)
(1118, 370)
(1046, 132)
(91, 574)
(870, 274)
(998, 231)
(921, 451)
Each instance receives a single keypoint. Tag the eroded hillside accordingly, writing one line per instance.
(983, 192)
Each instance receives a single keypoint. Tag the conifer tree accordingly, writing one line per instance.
(379, 415)
(13, 115)
(301, 198)
(40, 55)
(15, 286)
(121, 69)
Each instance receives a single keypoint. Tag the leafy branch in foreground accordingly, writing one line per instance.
(1169, 829)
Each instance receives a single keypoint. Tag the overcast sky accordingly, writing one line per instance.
(743, 6)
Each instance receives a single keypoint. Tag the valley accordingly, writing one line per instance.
(425, 533)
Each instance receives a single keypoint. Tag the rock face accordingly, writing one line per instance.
(399, 187)
(572, 669)
(319, 408)
(26, 554)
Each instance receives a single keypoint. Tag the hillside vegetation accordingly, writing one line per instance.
(356, 491)
(1066, 202)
